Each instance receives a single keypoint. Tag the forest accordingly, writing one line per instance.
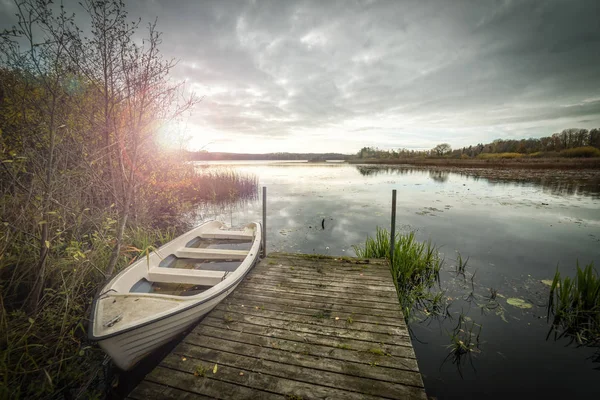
(573, 142)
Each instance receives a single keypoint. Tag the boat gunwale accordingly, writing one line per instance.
(178, 309)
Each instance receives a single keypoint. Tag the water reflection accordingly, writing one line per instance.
(439, 176)
(555, 182)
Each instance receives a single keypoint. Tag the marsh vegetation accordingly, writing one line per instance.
(574, 305)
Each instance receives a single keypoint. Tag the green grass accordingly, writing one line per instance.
(415, 268)
(574, 304)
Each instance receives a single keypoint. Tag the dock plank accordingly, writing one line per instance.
(298, 326)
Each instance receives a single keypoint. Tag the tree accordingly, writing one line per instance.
(442, 149)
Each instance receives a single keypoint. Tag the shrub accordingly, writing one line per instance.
(487, 156)
(584, 152)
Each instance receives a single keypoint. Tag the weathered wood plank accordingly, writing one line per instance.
(329, 261)
(320, 317)
(301, 374)
(322, 285)
(251, 377)
(343, 279)
(323, 298)
(403, 350)
(175, 372)
(342, 352)
(349, 284)
(302, 308)
(368, 297)
(150, 390)
(375, 275)
(230, 318)
(244, 295)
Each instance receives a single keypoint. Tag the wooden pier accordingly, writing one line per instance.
(297, 327)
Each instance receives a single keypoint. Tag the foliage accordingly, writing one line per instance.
(586, 151)
(575, 305)
(556, 145)
(441, 149)
(415, 268)
(486, 156)
(85, 186)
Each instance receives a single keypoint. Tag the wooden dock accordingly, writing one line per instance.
(297, 327)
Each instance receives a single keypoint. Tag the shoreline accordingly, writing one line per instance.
(524, 163)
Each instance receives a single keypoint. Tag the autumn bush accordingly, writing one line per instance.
(487, 156)
(583, 152)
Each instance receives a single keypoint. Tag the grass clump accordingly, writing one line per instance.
(575, 306)
(415, 268)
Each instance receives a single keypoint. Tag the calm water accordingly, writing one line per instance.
(515, 227)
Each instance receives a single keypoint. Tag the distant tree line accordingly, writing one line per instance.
(569, 142)
(216, 156)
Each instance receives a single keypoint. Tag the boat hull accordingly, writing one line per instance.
(130, 347)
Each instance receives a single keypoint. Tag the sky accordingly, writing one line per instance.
(334, 76)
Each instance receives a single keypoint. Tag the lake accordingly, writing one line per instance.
(514, 226)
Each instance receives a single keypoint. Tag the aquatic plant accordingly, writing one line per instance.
(464, 342)
(574, 304)
(415, 268)
(461, 265)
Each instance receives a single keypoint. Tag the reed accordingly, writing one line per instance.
(574, 304)
(415, 268)
(220, 185)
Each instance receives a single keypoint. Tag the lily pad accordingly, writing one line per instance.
(520, 303)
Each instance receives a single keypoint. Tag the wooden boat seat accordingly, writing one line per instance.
(185, 276)
(211, 254)
(247, 234)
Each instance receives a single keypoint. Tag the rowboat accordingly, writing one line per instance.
(159, 296)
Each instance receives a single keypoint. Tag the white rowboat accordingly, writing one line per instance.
(153, 300)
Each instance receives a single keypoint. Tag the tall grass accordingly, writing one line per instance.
(575, 305)
(223, 185)
(46, 353)
(415, 268)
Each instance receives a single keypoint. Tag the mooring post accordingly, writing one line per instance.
(393, 231)
(264, 221)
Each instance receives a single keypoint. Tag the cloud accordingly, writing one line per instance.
(381, 73)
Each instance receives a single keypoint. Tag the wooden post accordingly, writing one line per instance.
(393, 231)
(264, 221)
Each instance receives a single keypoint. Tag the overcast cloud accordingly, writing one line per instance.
(335, 76)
